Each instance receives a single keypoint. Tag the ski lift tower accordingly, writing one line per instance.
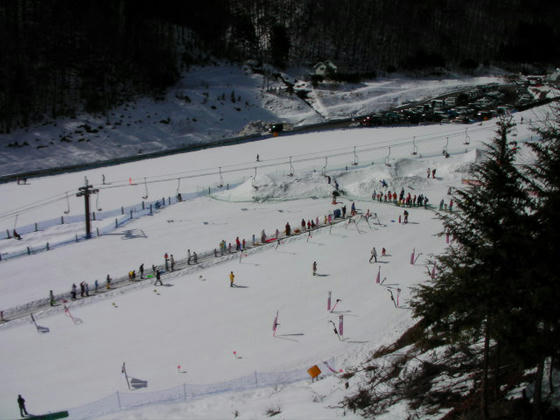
(85, 192)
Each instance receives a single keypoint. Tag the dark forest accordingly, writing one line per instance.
(61, 56)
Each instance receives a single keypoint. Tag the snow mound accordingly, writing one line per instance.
(279, 187)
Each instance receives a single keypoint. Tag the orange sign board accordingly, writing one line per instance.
(314, 371)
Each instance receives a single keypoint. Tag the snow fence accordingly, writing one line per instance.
(117, 218)
(187, 392)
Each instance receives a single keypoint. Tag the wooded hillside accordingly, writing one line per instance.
(60, 56)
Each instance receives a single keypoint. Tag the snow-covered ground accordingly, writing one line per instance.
(208, 103)
(196, 320)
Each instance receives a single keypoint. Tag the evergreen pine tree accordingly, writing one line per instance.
(542, 314)
(470, 296)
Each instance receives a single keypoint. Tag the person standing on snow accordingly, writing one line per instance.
(314, 268)
(51, 297)
(21, 404)
(195, 258)
(172, 262)
(373, 255)
(73, 291)
(141, 270)
(108, 281)
(158, 278)
(288, 229)
(231, 278)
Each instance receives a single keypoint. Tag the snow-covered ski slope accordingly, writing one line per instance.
(209, 103)
(198, 322)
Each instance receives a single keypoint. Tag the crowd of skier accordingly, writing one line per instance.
(239, 245)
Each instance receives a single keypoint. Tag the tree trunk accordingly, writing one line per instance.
(484, 385)
(537, 397)
(550, 384)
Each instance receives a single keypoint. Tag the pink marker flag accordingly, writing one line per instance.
(329, 301)
(341, 325)
(378, 278)
(336, 303)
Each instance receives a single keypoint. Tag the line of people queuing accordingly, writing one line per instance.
(401, 199)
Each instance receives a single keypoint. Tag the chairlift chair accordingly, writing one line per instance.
(445, 152)
(221, 184)
(67, 205)
(387, 157)
(97, 206)
(145, 196)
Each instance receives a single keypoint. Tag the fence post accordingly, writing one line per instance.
(97, 231)
(122, 210)
(256, 381)
(151, 211)
(28, 251)
(8, 234)
(36, 229)
(61, 220)
(2, 316)
(169, 200)
(208, 190)
(76, 237)
(47, 246)
(131, 214)
(93, 214)
(116, 222)
(143, 205)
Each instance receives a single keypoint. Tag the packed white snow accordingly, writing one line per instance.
(214, 332)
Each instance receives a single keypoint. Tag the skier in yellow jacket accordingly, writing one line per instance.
(231, 278)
